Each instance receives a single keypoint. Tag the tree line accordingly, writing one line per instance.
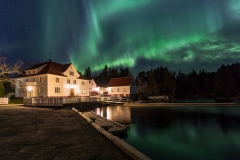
(106, 74)
(221, 84)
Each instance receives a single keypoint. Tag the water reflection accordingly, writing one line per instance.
(180, 132)
(186, 132)
(118, 114)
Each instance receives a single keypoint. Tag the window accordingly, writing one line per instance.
(71, 73)
(57, 80)
(40, 89)
(68, 81)
(40, 79)
(22, 90)
(33, 71)
(83, 91)
(112, 89)
(124, 90)
(26, 80)
(118, 89)
(82, 82)
(33, 79)
(74, 81)
(57, 90)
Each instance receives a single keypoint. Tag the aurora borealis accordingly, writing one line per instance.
(138, 34)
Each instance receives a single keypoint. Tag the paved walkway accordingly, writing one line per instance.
(43, 133)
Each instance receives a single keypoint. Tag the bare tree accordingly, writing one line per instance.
(7, 70)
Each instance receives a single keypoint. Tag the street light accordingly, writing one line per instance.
(30, 90)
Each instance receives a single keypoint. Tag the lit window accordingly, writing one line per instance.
(71, 73)
(112, 89)
(57, 80)
(118, 89)
(83, 91)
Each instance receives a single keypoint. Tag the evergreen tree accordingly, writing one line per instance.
(224, 84)
(1, 91)
(88, 73)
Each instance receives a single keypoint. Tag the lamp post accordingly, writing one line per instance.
(30, 90)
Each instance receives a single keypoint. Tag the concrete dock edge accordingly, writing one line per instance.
(128, 149)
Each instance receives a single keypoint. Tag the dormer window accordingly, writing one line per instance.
(71, 73)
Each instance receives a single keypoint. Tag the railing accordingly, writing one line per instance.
(28, 83)
(56, 101)
(114, 99)
(43, 101)
(79, 99)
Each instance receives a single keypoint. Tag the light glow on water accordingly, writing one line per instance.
(184, 132)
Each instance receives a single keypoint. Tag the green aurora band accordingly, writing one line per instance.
(122, 32)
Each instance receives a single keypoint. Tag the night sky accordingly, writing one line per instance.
(138, 34)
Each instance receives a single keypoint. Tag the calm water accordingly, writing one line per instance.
(180, 132)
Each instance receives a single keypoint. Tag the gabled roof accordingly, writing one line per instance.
(37, 65)
(125, 81)
(54, 68)
(49, 68)
(82, 77)
(101, 83)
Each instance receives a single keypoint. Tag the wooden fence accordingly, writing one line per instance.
(56, 101)
(59, 101)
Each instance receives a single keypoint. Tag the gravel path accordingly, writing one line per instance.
(48, 133)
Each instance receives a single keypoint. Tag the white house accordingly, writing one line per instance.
(51, 79)
(96, 89)
(122, 87)
(93, 88)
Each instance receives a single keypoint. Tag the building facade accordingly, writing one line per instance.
(122, 87)
(51, 79)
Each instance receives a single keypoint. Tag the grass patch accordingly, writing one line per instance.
(16, 101)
